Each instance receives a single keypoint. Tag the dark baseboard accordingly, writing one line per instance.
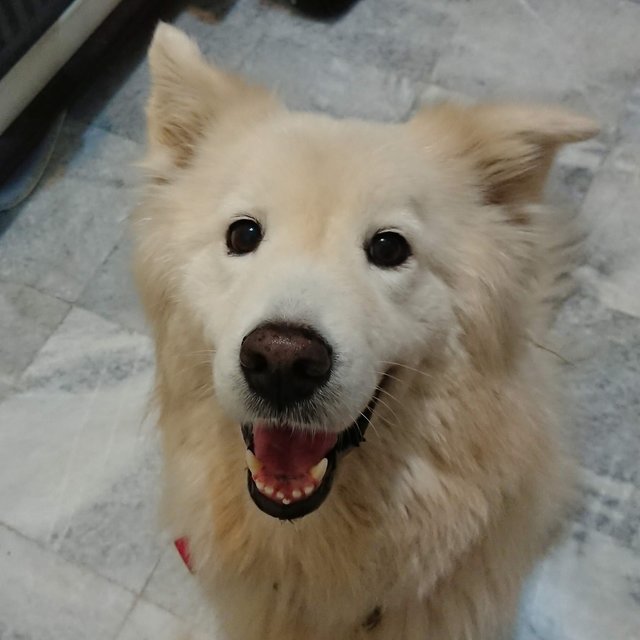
(130, 20)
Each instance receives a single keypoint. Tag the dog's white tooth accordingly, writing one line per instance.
(260, 486)
(296, 494)
(285, 501)
(279, 495)
(317, 472)
(268, 490)
(253, 463)
(308, 490)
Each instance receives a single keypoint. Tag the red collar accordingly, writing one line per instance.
(182, 545)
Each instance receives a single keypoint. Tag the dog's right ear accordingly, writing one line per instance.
(188, 96)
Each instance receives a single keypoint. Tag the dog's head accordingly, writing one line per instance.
(318, 260)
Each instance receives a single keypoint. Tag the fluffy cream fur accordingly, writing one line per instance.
(435, 521)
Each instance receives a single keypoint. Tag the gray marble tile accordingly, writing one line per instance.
(43, 597)
(401, 38)
(228, 40)
(121, 76)
(433, 94)
(6, 389)
(370, 64)
(584, 591)
(111, 292)
(89, 153)
(149, 622)
(611, 507)
(610, 213)
(604, 347)
(117, 534)
(599, 41)
(70, 224)
(337, 85)
(573, 173)
(50, 462)
(582, 53)
(603, 381)
(78, 461)
(27, 319)
(62, 235)
(629, 126)
(499, 50)
(174, 589)
(88, 353)
(117, 102)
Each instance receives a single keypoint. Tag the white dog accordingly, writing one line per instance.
(362, 440)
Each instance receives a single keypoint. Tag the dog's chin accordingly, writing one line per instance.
(290, 470)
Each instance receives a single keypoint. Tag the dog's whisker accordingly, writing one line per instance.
(369, 421)
(406, 366)
(354, 420)
(385, 404)
(386, 374)
(383, 390)
(190, 368)
(205, 390)
(388, 407)
(203, 352)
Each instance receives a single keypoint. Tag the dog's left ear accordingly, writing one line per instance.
(509, 148)
(189, 96)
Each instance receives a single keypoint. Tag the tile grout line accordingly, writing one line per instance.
(114, 321)
(138, 597)
(72, 305)
(72, 563)
(20, 376)
(113, 249)
(35, 288)
(67, 473)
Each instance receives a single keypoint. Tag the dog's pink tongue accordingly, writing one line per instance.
(290, 452)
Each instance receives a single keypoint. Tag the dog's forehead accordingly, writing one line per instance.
(332, 148)
(305, 161)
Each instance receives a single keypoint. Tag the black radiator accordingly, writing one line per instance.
(130, 21)
(22, 22)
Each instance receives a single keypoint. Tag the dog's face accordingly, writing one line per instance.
(315, 268)
(313, 271)
(317, 256)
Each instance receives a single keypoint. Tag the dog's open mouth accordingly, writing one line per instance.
(290, 470)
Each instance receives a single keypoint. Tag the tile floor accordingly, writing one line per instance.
(81, 555)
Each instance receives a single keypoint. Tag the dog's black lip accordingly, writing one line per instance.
(347, 440)
(299, 508)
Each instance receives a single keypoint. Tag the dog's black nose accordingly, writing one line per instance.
(285, 363)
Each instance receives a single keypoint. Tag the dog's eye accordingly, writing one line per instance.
(243, 236)
(388, 249)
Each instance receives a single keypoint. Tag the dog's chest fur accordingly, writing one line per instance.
(380, 557)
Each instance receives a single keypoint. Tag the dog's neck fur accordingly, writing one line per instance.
(455, 456)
